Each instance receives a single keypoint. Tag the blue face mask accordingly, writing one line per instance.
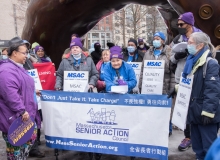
(28, 56)
(156, 43)
(131, 49)
(191, 49)
(4, 57)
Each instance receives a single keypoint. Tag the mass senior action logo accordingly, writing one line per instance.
(102, 123)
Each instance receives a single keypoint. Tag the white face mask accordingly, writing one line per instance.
(77, 56)
(142, 46)
(4, 57)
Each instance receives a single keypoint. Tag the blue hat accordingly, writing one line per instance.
(161, 35)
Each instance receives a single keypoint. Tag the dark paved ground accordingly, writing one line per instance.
(174, 154)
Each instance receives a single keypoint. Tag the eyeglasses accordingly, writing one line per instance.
(24, 53)
(180, 24)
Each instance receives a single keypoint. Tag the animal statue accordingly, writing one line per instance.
(52, 22)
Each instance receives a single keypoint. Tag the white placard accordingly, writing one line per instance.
(34, 74)
(137, 69)
(182, 102)
(76, 81)
(153, 74)
(119, 89)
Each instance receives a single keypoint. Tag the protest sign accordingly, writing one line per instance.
(119, 124)
(182, 102)
(47, 75)
(34, 74)
(137, 69)
(20, 132)
(153, 75)
(76, 81)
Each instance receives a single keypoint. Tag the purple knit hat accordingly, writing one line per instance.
(116, 52)
(140, 40)
(38, 48)
(187, 17)
(76, 42)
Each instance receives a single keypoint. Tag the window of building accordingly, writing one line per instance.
(88, 35)
(102, 35)
(143, 31)
(103, 43)
(128, 31)
(96, 27)
(143, 25)
(116, 31)
(107, 28)
(107, 20)
(102, 28)
(107, 35)
(95, 35)
(117, 38)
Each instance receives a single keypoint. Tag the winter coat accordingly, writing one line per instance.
(181, 62)
(168, 81)
(16, 94)
(100, 85)
(138, 56)
(205, 93)
(96, 56)
(67, 64)
(126, 73)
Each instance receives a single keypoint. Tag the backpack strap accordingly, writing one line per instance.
(205, 65)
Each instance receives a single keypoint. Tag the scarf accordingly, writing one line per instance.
(43, 60)
(191, 61)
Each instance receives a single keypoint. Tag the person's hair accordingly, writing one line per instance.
(14, 47)
(200, 37)
(105, 51)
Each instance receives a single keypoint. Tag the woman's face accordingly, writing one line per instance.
(76, 50)
(116, 63)
(106, 56)
(40, 53)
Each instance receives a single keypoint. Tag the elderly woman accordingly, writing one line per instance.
(17, 96)
(118, 72)
(77, 62)
(100, 68)
(204, 109)
(39, 50)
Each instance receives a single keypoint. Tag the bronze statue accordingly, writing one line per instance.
(52, 22)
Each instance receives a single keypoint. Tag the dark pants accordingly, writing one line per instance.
(202, 137)
(187, 131)
(34, 148)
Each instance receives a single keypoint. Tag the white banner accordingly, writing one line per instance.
(34, 74)
(137, 69)
(182, 102)
(153, 74)
(130, 125)
(76, 81)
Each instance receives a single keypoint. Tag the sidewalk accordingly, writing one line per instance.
(174, 154)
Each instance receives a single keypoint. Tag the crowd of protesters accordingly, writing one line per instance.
(110, 67)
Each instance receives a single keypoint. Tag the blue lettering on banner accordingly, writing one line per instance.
(186, 81)
(154, 63)
(75, 75)
(115, 148)
(107, 99)
(32, 73)
(134, 65)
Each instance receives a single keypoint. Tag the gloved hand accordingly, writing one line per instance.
(135, 90)
(171, 93)
(121, 82)
(206, 120)
(180, 55)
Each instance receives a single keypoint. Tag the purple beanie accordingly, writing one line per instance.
(187, 17)
(140, 40)
(116, 52)
(76, 42)
(38, 48)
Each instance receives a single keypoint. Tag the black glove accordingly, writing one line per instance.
(171, 93)
(180, 55)
(90, 90)
(206, 120)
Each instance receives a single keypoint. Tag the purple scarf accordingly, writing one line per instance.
(44, 60)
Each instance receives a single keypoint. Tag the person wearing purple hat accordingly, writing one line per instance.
(39, 50)
(142, 47)
(77, 62)
(185, 28)
(118, 72)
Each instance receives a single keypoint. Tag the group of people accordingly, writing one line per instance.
(107, 68)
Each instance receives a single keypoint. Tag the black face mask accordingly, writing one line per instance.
(97, 48)
(182, 31)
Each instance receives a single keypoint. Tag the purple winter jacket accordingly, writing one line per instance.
(16, 93)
